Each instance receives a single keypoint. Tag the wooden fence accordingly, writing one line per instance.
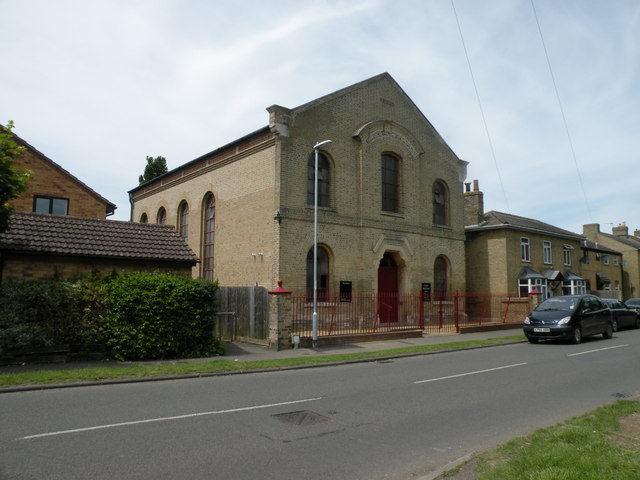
(243, 314)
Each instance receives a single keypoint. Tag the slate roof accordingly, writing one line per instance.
(40, 233)
(588, 244)
(494, 220)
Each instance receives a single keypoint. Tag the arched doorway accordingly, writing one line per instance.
(388, 289)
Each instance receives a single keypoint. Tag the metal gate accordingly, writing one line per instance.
(243, 314)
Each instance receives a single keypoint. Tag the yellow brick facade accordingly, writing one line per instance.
(251, 184)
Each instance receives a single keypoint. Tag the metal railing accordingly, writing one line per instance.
(370, 313)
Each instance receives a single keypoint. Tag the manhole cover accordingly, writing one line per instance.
(622, 395)
(302, 417)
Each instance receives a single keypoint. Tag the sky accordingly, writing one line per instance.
(541, 97)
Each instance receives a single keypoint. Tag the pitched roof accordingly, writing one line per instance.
(588, 244)
(629, 240)
(496, 220)
(40, 233)
(109, 206)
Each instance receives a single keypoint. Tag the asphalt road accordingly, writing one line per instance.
(393, 419)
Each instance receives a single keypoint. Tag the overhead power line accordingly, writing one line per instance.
(484, 120)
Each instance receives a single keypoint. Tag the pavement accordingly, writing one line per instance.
(250, 352)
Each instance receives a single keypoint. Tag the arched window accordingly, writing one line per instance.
(161, 218)
(440, 277)
(322, 274)
(183, 220)
(440, 204)
(390, 183)
(143, 218)
(324, 180)
(209, 223)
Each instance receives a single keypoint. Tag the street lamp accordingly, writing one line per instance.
(314, 335)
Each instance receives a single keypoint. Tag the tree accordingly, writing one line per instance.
(12, 182)
(155, 167)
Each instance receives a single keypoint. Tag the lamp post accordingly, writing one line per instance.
(314, 335)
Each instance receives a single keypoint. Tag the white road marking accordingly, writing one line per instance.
(471, 373)
(597, 350)
(164, 419)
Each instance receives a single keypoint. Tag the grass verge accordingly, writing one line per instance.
(603, 444)
(219, 365)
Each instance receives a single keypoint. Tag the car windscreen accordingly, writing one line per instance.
(558, 304)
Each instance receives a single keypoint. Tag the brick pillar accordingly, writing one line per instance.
(535, 299)
(280, 318)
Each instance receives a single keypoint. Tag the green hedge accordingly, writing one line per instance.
(138, 317)
(153, 316)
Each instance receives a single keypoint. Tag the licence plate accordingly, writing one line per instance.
(542, 330)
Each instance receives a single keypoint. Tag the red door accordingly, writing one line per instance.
(388, 290)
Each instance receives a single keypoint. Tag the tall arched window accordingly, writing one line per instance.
(143, 218)
(390, 183)
(440, 277)
(440, 201)
(183, 220)
(322, 274)
(161, 218)
(324, 180)
(209, 223)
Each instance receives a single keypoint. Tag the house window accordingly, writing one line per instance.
(53, 205)
(566, 252)
(528, 285)
(546, 252)
(143, 218)
(616, 262)
(440, 207)
(390, 183)
(440, 277)
(209, 222)
(161, 218)
(324, 180)
(525, 249)
(322, 274)
(605, 259)
(574, 287)
(183, 220)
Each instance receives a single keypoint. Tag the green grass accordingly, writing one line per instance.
(588, 447)
(220, 365)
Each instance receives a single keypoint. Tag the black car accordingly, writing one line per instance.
(568, 317)
(633, 304)
(621, 315)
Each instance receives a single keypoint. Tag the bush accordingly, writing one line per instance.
(39, 313)
(153, 316)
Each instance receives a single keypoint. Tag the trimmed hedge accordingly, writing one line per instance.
(141, 316)
(154, 316)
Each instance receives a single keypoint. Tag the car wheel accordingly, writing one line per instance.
(532, 340)
(608, 333)
(615, 325)
(577, 335)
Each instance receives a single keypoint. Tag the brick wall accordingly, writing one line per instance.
(49, 181)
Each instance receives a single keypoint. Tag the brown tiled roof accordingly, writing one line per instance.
(495, 219)
(87, 237)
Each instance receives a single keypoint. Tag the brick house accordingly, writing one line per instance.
(602, 268)
(390, 198)
(52, 189)
(629, 245)
(511, 254)
(39, 246)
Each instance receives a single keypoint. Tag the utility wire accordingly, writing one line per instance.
(484, 120)
(564, 118)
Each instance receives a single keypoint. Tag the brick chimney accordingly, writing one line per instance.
(591, 231)
(473, 204)
(621, 230)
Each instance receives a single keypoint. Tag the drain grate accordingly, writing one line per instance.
(301, 418)
(622, 395)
